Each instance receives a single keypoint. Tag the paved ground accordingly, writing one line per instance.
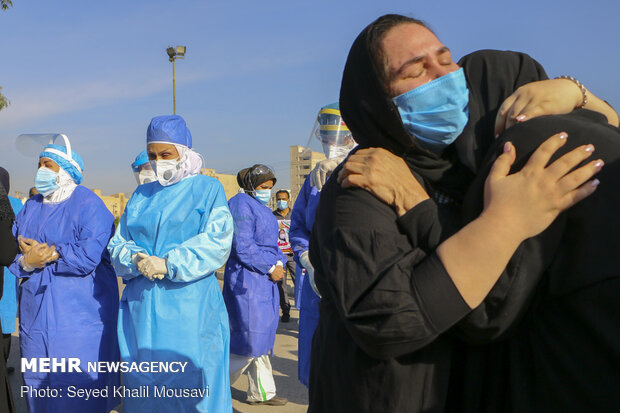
(284, 363)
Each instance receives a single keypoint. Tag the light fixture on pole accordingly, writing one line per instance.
(174, 54)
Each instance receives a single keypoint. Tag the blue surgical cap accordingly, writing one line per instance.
(141, 159)
(169, 129)
(58, 154)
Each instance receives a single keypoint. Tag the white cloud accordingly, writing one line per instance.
(39, 103)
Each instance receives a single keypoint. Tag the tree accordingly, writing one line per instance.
(5, 4)
(4, 102)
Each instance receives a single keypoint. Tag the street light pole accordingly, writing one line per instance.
(174, 90)
(174, 54)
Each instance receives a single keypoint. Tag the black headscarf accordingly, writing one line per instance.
(250, 178)
(4, 179)
(6, 212)
(374, 120)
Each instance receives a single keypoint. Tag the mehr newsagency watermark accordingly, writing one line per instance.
(76, 392)
(72, 365)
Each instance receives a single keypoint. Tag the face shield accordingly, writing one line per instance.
(258, 174)
(331, 133)
(145, 174)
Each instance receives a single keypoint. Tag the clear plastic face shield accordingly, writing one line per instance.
(330, 135)
(31, 144)
(145, 174)
(252, 177)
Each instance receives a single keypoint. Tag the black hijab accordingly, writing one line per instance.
(6, 212)
(374, 120)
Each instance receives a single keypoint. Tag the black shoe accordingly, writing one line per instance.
(274, 401)
(285, 318)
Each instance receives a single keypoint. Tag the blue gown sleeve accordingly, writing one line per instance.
(121, 249)
(255, 257)
(15, 268)
(299, 234)
(80, 257)
(204, 253)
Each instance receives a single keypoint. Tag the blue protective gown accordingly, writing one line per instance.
(181, 318)
(302, 220)
(69, 308)
(8, 303)
(252, 299)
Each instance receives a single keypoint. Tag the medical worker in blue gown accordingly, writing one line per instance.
(175, 232)
(250, 284)
(337, 141)
(68, 299)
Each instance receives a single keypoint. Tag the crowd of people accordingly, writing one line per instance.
(454, 252)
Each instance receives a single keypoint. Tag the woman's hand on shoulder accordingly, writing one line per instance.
(528, 201)
(384, 175)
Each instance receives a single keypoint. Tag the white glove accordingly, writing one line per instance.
(305, 262)
(322, 171)
(150, 266)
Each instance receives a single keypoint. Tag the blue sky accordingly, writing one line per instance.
(255, 74)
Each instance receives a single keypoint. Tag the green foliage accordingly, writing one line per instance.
(4, 102)
(5, 4)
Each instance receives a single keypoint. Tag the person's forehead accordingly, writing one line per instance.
(406, 41)
(159, 147)
(283, 195)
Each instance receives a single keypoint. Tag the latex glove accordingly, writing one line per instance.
(322, 171)
(25, 244)
(277, 274)
(304, 260)
(38, 256)
(150, 266)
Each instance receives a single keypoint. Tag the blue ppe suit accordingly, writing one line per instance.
(302, 220)
(69, 308)
(8, 303)
(252, 299)
(181, 318)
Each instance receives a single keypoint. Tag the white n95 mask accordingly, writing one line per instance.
(167, 171)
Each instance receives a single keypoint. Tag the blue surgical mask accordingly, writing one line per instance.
(436, 113)
(282, 204)
(263, 195)
(45, 181)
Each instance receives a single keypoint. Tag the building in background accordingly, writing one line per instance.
(303, 161)
(229, 182)
(115, 203)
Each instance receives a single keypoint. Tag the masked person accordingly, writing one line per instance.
(142, 169)
(283, 215)
(255, 265)
(394, 277)
(8, 251)
(68, 299)
(174, 234)
(550, 316)
(337, 141)
(8, 303)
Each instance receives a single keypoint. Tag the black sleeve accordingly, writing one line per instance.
(392, 297)
(8, 246)
(514, 292)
